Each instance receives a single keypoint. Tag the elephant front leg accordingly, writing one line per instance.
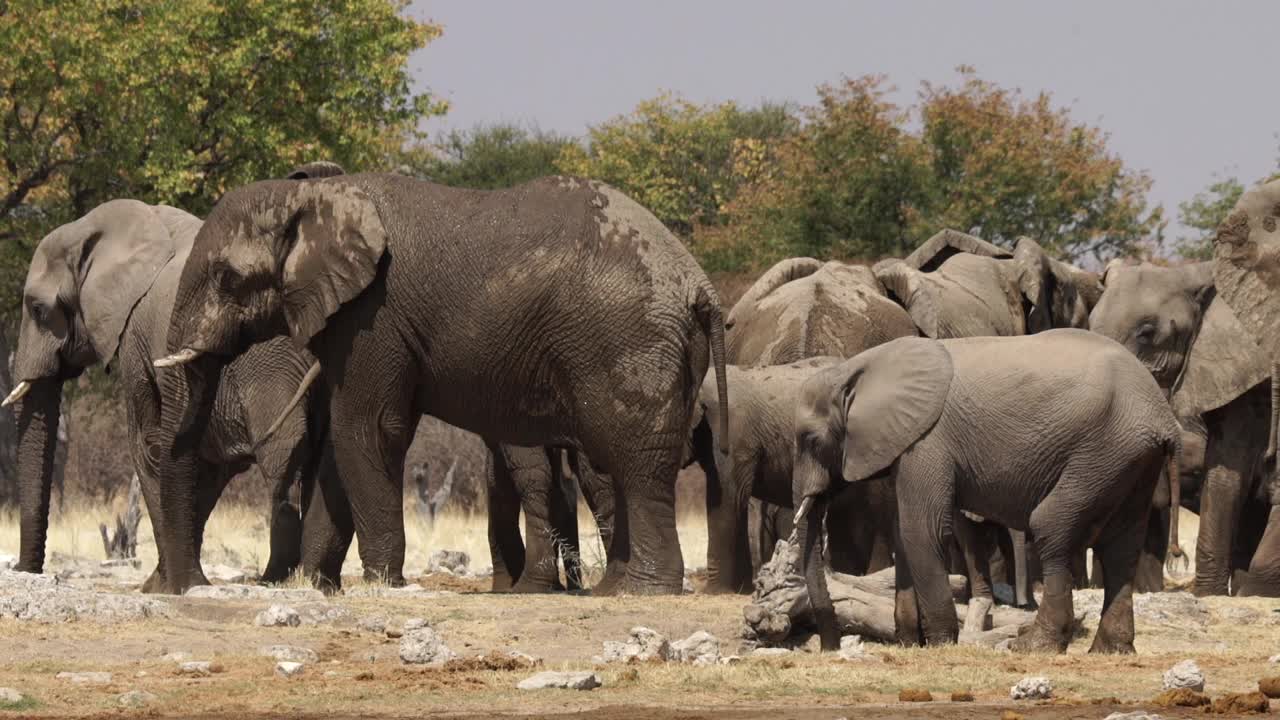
(1263, 579)
(506, 548)
(533, 478)
(925, 550)
(728, 553)
(327, 525)
(974, 543)
(1232, 446)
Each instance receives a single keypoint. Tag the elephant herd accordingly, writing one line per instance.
(964, 406)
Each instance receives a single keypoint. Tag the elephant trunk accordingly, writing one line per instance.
(1173, 471)
(707, 309)
(37, 420)
(809, 523)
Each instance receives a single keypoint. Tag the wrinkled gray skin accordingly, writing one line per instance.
(1062, 434)
(799, 308)
(759, 463)
(555, 313)
(100, 290)
(1247, 274)
(1172, 319)
(544, 484)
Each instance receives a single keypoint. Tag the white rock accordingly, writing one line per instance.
(197, 668)
(643, 645)
(561, 680)
(1186, 674)
(453, 561)
(178, 656)
(373, 624)
(700, 648)
(854, 650)
(1032, 688)
(1135, 715)
(136, 698)
(415, 624)
(289, 669)
(278, 616)
(9, 695)
(289, 653)
(770, 652)
(255, 592)
(47, 599)
(730, 660)
(85, 678)
(524, 657)
(224, 573)
(7, 562)
(422, 646)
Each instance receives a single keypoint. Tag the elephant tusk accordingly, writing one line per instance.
(182, 357)
(313, 372)
(805, 506)
(19, 391)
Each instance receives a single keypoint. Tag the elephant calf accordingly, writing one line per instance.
(1062, 434)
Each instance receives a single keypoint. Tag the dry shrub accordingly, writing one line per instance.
(99, 465)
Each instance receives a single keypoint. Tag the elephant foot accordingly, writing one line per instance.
(536, 586)
(978, 618)
(1036, 638)
(274, 575)
(615, 574)
(327, 585)
(1104, 645)
(154, 584)
(395, 579)
(1208, 589)
(633, 585)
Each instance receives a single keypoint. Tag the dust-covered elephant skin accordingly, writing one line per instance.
(759, 464)
(957, 285)
(100, 290)
(1246, 270)
(1174, 321)
(800, 308)
(1062, 434)
(543, 483)
(555, 313)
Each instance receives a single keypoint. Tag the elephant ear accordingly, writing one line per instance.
(775, 277)
(1222, 364)
(935, 251)
(333, 243)
(1246, 265)
(123, 246)
(1035, 283)
(909, 287)
(893, 395)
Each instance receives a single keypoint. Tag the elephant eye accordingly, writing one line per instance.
(39, 311)
(226, 279)
(1146, 333)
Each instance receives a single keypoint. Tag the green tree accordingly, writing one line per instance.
(1203, 213)
(675, 157)
(179, 101)
(488, 156)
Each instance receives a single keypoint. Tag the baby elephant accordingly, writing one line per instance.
(1062, 434)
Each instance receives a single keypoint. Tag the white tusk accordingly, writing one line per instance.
(182, 357)
(19, 391)
(805, 505)
(313, 372)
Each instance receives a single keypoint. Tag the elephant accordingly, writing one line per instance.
(759, 465)
(541, 482)
(797, 309)
(1188, 337)
(558, 312)
(100, 290)
(1245, 274)
(1062, 434)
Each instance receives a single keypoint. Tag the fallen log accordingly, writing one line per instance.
(779, 607)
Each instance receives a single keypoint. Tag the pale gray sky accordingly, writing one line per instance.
(1186, 89)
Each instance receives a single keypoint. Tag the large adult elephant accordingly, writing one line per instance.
(100, 290)
(799, 308)
(1174, 321)
(558, 312)
(1246, 270)
(1069, 447)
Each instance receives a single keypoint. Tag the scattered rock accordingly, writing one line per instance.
(224, 573)
(7, 562)
(854, 650)
(644, 645)
(962, 696)
(421, 646)
(278, 616)
(1032, 688)
(321, 613)
(196, 668)
(530, 660)
(7, 694)
(700, 648)
(179, 656)
(289, 653)
(136, 699)
(255, 592)
(561, 680)
(454, 562)
(914, 695)
(1270, 687)
(730, 660)
(1185, 674)
(373, 624)
(47, 599)
(289, 669)
(85, 678)
(1135, 715)
(415, 624)
(1238, 615)
(1240, 703)
(770, 652)
(1180, 697)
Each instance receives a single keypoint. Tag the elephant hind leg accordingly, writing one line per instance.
(975, 544)
(505, 545)
(1119, 546)
(327, 525)
(1263, 579)
(644, 534)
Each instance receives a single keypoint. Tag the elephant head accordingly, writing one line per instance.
(801, 307)
(852, 421)
(85, 279)
(957, 285)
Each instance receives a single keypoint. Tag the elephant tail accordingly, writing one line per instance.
(707, 308)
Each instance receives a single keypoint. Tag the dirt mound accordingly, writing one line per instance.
(494, 661)
(1238, 703)
(1180, 697)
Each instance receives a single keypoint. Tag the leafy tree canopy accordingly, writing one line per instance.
(487, 156)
